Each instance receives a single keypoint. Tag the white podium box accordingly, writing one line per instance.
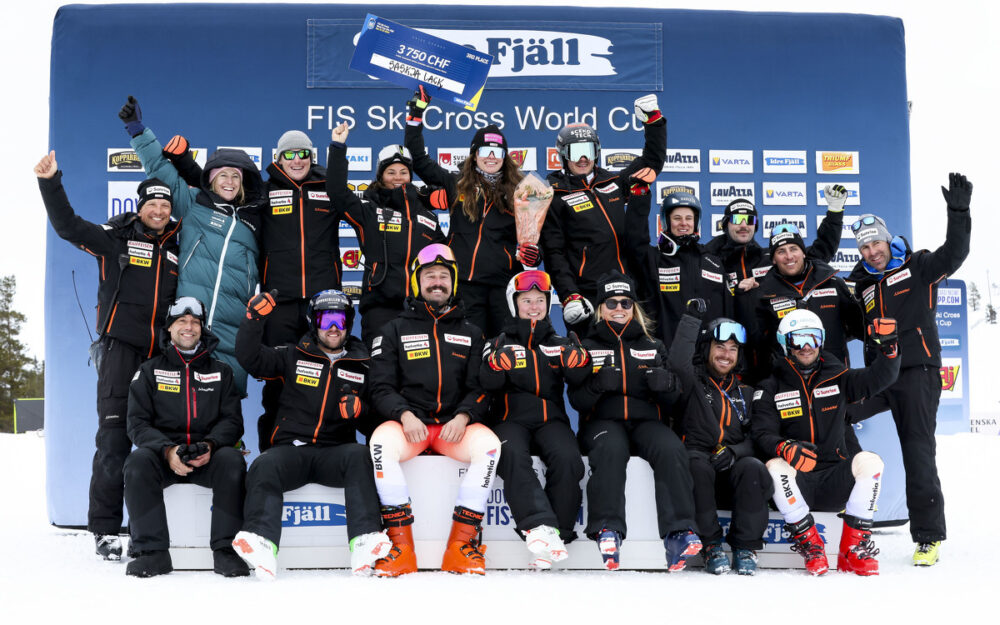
(314, 525)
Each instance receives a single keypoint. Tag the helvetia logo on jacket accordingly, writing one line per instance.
(313, 514)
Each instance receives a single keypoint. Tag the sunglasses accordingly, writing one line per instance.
(487, 151)
(186, 306)
(867, 220)
(577, 151)
(291, 154)
(741, 219)
(798, 339)
(780, 228)
(730, 330)
(326, 319)
(434, 252)
(611, 304)
(533, 279)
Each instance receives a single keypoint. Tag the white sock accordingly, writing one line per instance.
(787, 496)
(867, 468)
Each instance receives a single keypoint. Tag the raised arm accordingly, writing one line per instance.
(88, 236)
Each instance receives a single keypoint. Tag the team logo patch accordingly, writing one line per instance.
(788, 403)
(281, 210)
(709, 275)
(406, 338)
(670, 288)
(757, 395)
(306, 380)
(208, 377)
(458, 339)
(350, 376)
(318, 195)
(670, 271)
(377, 341)
(390, 227)
(550, 351)
(417, 355)
(788, 395)
(416, 345)
(140, 262)
(611, 188)
(168, 388)
(616, 286)
(172, 257)
(826, 391)
(899, 277)
(427, 222)
(280, 193)
(759, 272)
(643, 354)
(791, 412)
(824, 293)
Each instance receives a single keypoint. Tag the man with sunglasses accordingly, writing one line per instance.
(799, 422)
(891, 279)
(136, 253)
(714, 423)
(184, 418)
(322, 405)
(584, 232)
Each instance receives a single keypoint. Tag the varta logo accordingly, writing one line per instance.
(741, 162)
(313, 514)
(771, 193)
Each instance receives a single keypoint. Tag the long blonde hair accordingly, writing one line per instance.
(638, 315)
(472, 186)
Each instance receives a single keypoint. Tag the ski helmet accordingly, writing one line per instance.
(576, 135)
(524, 282)
(186, 305)
(800, 327)
(390, 154)
(329, 301)
(433, 254)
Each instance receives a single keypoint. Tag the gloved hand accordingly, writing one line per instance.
(187, 453)
(641, 180)
(959, 192)
(696, 307)
(176, 147)
(349, 404)
(504, 357)
(661, 380)
(647, 109)
(836, 196)
(574, 356)
(576, 309)
(529, 255)
(416, 105)
(131, 114)
(606, 380)
(799, 454)
(882, 331)
(723, 459)
(261, 305)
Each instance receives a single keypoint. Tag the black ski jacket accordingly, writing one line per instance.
(427, 362)
(814, 409)
(308, 411)
(138, 269)
(176, 399)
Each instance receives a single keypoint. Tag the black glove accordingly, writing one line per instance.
(574, 356)
(696, 307)
(882, 331)
(529, 255)
(416, 105)
(504, 357)
(959, 192)
(723, 459)
(799, 454)
(606, 380)
(131, 114)
(661, 381)
(350, 403)
(261, 305)
(187, 453)
(640, 181)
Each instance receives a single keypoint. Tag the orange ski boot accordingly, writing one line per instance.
(464, 553)
(402, 559)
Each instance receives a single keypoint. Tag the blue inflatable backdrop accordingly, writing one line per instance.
(769, 106)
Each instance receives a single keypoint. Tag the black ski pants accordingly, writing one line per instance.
(147, 474)
(608, 446)
(558, 503)
(287, 467)
(745, 489)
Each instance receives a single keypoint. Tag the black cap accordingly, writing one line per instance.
(740, 206)
(790, 235)
(153, 189)
(489, 135)
(614, 284)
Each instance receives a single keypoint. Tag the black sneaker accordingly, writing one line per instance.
(228, 564)
(150, 564)
(108, 546)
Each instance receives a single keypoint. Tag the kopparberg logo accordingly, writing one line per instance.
(616, 161)
(313, 514)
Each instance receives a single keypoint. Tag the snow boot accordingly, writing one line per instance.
(150, 564)
(680, 545)
(108, 546)
(464, 553)
(809, 544)
(227, 563)
(610, 544)
(401, 559)
(258, 552)
(927, 554)
(366, 550)
(745, 561)
(544, 542)
(716, 560)
(857, 551)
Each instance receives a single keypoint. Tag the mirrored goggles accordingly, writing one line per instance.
(289, 155)
(611, 304)
(867, 220)
(433, 253)
(580, 150)
(186, 306)
(807, 337)
(534, 279)
(487, 151)
(741, 219)
(326, 319)
(730, 330)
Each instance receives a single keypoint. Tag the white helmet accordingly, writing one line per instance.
(799, 321)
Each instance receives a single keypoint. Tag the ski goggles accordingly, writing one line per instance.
(533, 279)
(611, 304)
(289, 155)
(867, 220)
(730, 330)
(576, 151)
(434, 253)
(186, 305)
(487, 151)
(806, 337)
(326, 319)
(743, 219)
(782, 228)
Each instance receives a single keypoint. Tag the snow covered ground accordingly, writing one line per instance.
(53, 574)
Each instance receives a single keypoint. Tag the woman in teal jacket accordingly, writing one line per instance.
(218, 262)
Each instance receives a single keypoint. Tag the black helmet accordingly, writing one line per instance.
(330, 299)
(577, 133)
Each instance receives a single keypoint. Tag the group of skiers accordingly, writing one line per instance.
(722, 365)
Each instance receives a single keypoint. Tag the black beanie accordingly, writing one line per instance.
(788, 236)
(490, 136)
(740, 206)
(152, 189)
(614, 284)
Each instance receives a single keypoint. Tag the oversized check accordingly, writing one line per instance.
(408, 57)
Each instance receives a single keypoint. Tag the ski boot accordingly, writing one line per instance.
(150, 564)
(401, 559)
(809, 544)
(745, 561)
(681, 545)
(544, 542)
(610, 544)
(716, 560)
(108, 546)
(464, 553)
(857, 551)
(366, 550)
(259, 553)
(227, 563)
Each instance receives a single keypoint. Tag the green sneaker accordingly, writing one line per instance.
(927, 554)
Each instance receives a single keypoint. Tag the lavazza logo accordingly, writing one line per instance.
(683, 160)
(725, 192)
